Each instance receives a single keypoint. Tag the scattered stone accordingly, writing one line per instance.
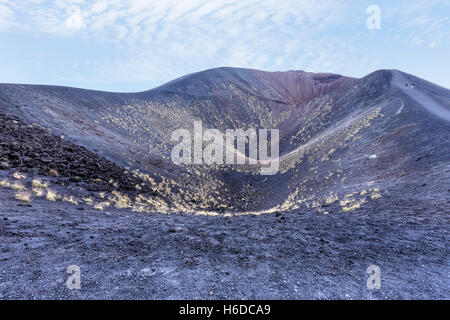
(53, 173)
(175, 229)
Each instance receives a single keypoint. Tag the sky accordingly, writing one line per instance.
(136, 45)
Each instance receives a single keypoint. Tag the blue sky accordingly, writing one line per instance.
(135, 45)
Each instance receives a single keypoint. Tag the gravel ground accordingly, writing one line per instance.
(296, 255)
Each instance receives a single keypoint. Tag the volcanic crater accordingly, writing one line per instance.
(356, 155)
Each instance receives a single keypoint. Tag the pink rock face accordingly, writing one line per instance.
(290, 87)
(302, 86)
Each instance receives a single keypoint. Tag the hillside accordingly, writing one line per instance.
(338, 135)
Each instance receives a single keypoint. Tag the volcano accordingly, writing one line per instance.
(364, 178)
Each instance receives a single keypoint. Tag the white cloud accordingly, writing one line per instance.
(422, 22)
(75, 20)
(6, 17)
(164, 39)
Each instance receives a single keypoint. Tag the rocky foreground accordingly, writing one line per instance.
(291, 255)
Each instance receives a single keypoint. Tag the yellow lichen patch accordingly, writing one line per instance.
(38, 192)
(346, 202)
(70, 199)
(332, 198)
(375, 195)
(315, 204)
(39, 184)
(23, 196)
(99, 206)
(351, 194)
(5, 183)
(88, 200)
(139, 208)
(18, 186)
(51, 195)
(354, 205)
(17, 175)
(121, 201)
(207, 213)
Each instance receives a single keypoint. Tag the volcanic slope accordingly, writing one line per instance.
(344, 142)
